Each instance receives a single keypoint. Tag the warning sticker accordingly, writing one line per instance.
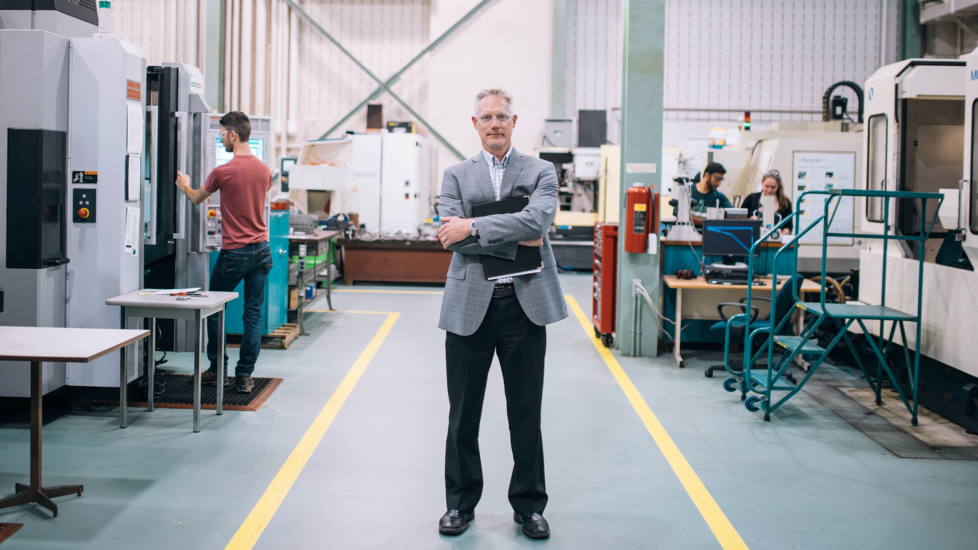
(640, 208)
(134, 90)
(80, 176)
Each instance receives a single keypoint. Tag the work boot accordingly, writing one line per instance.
(243, 384)
(209, 377)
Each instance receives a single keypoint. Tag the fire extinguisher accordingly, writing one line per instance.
(640, 219)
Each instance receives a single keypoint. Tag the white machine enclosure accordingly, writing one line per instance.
(106, 105)
(389, 180)
(348, 168)
(948, 297)
(208, 154)
(33, 95)
(407, 182)
(778, 149)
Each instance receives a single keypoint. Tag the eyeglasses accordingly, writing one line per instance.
(487, 119)
(226, 132)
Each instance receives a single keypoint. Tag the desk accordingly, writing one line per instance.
(68, 345)
(719, 294)
(155, 307)
(317, 237)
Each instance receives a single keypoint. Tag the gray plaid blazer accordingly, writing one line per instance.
(467, 292)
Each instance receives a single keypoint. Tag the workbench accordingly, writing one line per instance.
(315, 239)
(394, 261)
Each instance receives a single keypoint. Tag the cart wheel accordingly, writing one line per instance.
(752, 402)
(708, 372)
(730, 384)
(608, 340)
(597, 334)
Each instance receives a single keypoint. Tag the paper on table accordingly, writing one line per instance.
(132, 230)
(134, 125)
(172, 291)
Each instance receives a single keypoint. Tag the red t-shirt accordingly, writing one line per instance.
(244, 182)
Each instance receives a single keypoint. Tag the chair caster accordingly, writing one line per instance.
(708, 372)
(752, 403)
(730, 384)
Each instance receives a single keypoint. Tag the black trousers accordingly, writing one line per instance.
(521, 347)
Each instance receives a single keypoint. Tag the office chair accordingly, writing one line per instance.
(784, 304)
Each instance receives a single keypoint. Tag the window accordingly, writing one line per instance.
(876, 166)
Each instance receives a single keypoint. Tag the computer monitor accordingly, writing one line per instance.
(730, 238)
(257, 148)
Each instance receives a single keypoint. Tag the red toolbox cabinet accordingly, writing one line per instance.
(604, 291)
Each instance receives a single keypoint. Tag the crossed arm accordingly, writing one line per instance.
(499, 234)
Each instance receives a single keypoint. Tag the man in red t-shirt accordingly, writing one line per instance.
(244, 183)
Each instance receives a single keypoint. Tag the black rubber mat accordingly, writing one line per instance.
(178, 393)
(878, 428)
(7, 530)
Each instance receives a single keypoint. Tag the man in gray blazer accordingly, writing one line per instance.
(506, 317)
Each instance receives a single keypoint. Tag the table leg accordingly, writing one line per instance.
(151, 368)
(679, 324)
(198, 337)
(123, 380)
(329, 274)
(35, 492)
(220, 362)
(300, 310)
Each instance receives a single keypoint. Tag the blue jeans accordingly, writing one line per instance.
(250, 263)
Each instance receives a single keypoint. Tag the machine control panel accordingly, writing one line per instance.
(212, 225)
(83, 205)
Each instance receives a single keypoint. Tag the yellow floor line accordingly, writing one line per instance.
(349, 311)
(258, 519)
(438, 292)
(722, 529)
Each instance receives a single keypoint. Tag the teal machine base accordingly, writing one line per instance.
(275, 307)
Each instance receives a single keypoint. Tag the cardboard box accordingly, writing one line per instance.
(293, 298)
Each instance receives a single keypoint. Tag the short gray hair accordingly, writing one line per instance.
(498, 92)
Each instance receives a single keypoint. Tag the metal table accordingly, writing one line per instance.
(318, 236)
(153, 307)
(58, 345)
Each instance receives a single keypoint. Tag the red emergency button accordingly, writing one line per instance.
(211, 213)
(83, 213)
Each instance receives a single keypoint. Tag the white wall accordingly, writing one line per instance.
(508, 45)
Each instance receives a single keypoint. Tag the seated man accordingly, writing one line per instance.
(706, 194)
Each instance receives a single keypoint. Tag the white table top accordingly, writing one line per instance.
(69, 345)
(209, 300)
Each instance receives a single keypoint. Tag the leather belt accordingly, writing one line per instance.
(502, 291)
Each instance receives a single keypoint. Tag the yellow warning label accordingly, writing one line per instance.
(640, 208)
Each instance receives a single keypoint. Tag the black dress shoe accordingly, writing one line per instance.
(534, 526)
(455, 523)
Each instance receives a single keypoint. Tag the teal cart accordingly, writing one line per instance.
(767, 389)
(275, 307)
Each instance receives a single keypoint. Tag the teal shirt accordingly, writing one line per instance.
(709, 200)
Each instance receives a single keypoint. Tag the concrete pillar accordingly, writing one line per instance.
(641, 143)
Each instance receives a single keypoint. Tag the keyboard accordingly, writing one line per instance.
(731, 279)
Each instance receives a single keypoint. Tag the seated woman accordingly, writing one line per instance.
(770, 185)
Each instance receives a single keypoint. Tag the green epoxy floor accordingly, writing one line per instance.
(805, 480)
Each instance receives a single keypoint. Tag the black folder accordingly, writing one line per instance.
(527, 259)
